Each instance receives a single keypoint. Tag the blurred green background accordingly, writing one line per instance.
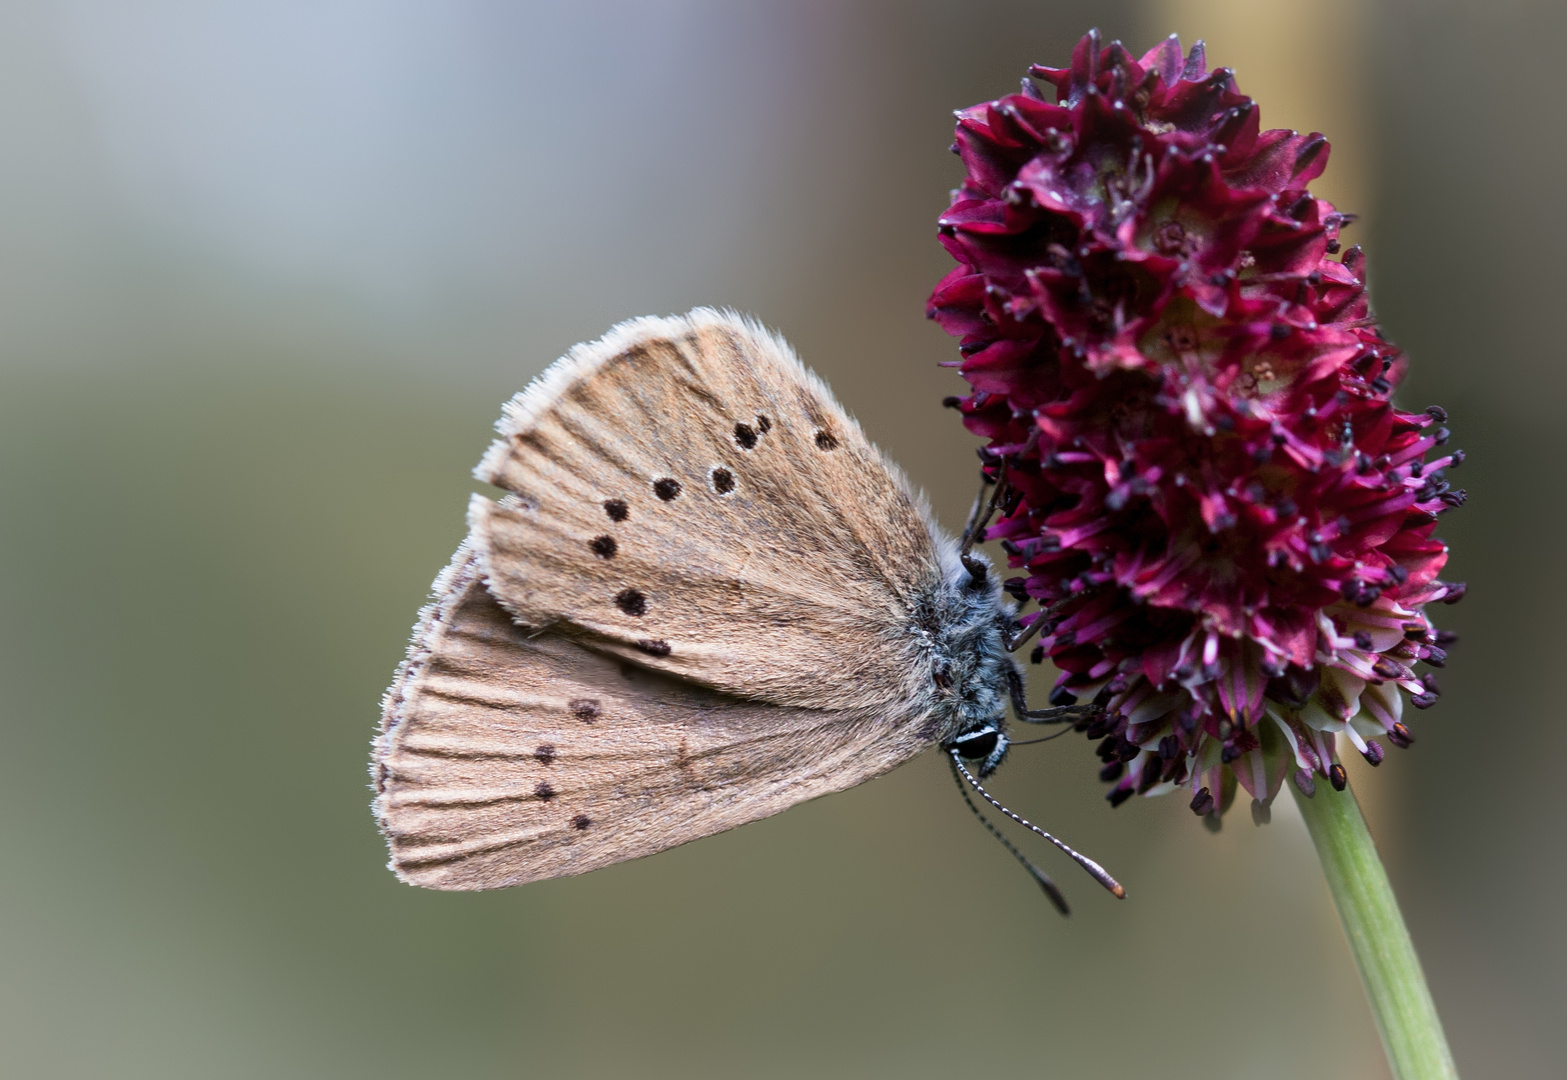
(267, 271)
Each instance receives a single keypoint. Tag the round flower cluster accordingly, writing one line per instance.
(1223, 518)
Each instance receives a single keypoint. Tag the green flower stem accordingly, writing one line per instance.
(1405, 1014)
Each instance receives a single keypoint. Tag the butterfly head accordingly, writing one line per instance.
(972, 670)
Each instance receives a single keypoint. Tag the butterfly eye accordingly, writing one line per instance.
(975, 745)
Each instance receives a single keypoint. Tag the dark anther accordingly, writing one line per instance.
(1106, 748)
(1437, 413)
(1229, 753)
(1017, 588)
(1098, 727)
(616, 509)
(1202, 802)
(1333, 247)
(723, 481)
(1127, 750)
(1458, 459)
(952, 401)
(1362, 639)
(544, 791)
(1381, 385)
(603, 546)
(1387, 669)
(631, 602)
(826, 440)
(666, 487)
(1441, 436)
(1037, 656)
(1149, 776)
(1373, 752)
(1455, 593)
(1435, 656)
(745, 436)
(581, 822)
(1168, 747)
(1338, 776)
(585, 709)
(1305, 782)
(1117, 796)
(1446, 637)
(1400, 735)
(1422, 701)
(654, 646)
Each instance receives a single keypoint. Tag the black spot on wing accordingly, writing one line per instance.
(631, 602)
(586, 709)
(545, 754)
(617, 509)
(544, 791)
(722, 479)
(826, 440)
(666, 487)
(745, 436)
(654, 646)
(763, 425)
(603, 546)
(581, 822)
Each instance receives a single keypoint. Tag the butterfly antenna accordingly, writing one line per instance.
(1040, 876)
(1097, 872)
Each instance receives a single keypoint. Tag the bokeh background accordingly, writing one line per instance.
(267, 271)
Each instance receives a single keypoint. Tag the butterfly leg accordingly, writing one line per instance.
(1067, 712)
(984, 510)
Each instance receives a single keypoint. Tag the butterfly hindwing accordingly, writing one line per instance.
(509, 755)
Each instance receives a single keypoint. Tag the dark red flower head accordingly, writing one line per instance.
(1225, 521)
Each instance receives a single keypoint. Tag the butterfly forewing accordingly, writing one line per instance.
(509, 755)
(689, 497)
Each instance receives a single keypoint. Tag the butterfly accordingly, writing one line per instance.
(704, 597)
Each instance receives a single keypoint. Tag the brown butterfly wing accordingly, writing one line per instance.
(689, 497)
(509, 756)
